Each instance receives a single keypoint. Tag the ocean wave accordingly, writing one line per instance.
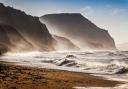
(108, 64)
(102, 62)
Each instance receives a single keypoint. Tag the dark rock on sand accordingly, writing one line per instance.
(70, 56)
(122, 70)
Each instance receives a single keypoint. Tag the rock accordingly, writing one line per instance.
(121, 70)
(79, 30)
(33, 31)
(2, 67)
(70, 56)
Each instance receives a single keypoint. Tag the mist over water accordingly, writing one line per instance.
(99, 62)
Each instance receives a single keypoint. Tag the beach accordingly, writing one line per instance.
(14, 76)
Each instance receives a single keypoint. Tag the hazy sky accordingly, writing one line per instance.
(111, 15)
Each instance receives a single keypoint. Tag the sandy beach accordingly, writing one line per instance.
(18, 77)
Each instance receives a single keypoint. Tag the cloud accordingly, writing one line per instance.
(87, 10)
(116, 11)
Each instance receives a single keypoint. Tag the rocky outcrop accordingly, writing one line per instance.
(64, 44)
(33, 31)
(12, 40)
(79, 30)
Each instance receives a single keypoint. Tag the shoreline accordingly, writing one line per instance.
(21, 77)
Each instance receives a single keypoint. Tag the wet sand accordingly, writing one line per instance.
(19, 77)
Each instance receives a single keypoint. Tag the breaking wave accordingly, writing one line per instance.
(112, 65)
(97, 62)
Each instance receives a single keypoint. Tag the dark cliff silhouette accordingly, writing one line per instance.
(22, 32)
(33, 31)
(79, 30)
(12, 40)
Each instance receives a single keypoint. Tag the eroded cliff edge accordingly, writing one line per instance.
(25, 26)
(79, 30)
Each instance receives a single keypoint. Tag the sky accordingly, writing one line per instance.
(111, 15)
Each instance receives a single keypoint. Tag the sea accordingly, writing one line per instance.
(111, 65)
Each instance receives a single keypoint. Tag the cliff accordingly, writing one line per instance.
(11, 40)
(28, 26)
(79, 30)
(64, 44)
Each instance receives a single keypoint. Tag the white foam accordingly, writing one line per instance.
(123, 86)
(98, 62)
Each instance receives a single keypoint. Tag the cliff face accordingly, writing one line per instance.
(79, 30)
(64, 44)
(11, 40)
(28, 26)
